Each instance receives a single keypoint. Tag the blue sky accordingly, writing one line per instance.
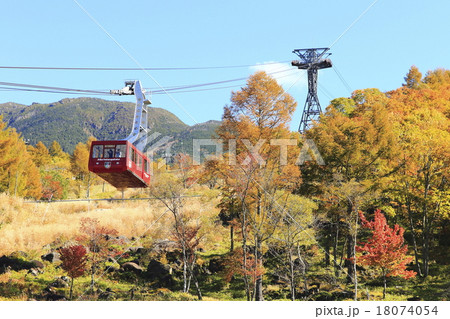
(376, 52)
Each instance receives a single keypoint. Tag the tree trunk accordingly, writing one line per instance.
(413, 233)
(305, 280)
(291, 275)
(192, 275)
(185, 288)
(71, 290)
(92, 276)
(327, 251)
(426, 244)
(355, 274)
(231, 238)
(341, 260)
(16, 184)
(244, 256)
(384, 284)
(258, 263)
(350, 269)
(199, 292)
(335, 250)
(425, 220)
(88, 186)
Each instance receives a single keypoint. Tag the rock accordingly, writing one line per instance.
(133, 267)
(59, 283)
(33, 272)
(5, 262)
(160, 273)
(108, 294)
(51, 295)
(51, 257)
(216, 265)
(136, 261)
(55, 297)
(65, 278)
(164, 245)
(18, 254)
(111, 269)
(37, 264)
(15, 264)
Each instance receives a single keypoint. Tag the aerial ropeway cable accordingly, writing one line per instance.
(137, 69)
(10, 86)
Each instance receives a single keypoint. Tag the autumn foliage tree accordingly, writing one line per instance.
(188, 240)
(169, 188)
(79, 165)
(355, 137)
(40, 154)
(420, 190)
(73, 262)
(385, 250)
(51, 188)
(95, 238)
(19, 176)
(259, 163)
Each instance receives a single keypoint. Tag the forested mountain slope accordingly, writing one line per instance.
(73, 120)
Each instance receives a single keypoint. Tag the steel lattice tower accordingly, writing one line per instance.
(311, 60)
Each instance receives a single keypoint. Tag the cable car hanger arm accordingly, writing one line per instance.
(140, 121)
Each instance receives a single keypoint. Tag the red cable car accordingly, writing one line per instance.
(122, 163)
(119, 163)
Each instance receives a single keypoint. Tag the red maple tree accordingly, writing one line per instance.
(385, 249)
(73, 262)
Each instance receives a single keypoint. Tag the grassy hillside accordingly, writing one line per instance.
(73, 120)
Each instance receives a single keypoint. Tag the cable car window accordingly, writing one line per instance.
(97, 151)
(133, 154)
(109, 152)
(120, 151)
(145, 166)
(139, 163)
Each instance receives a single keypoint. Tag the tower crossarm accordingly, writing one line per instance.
(311, 60)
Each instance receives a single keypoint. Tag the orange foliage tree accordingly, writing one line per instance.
(79, 165)
(256, 134)
(420, 190)
(355, 137)
(19, 176)
(385, 249)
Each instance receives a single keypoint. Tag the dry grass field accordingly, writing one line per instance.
(31, 226)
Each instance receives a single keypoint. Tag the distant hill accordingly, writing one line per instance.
(73, 120)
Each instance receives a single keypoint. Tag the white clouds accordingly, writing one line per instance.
(289, 77)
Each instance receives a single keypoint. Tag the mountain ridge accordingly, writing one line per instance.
(73, 120)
